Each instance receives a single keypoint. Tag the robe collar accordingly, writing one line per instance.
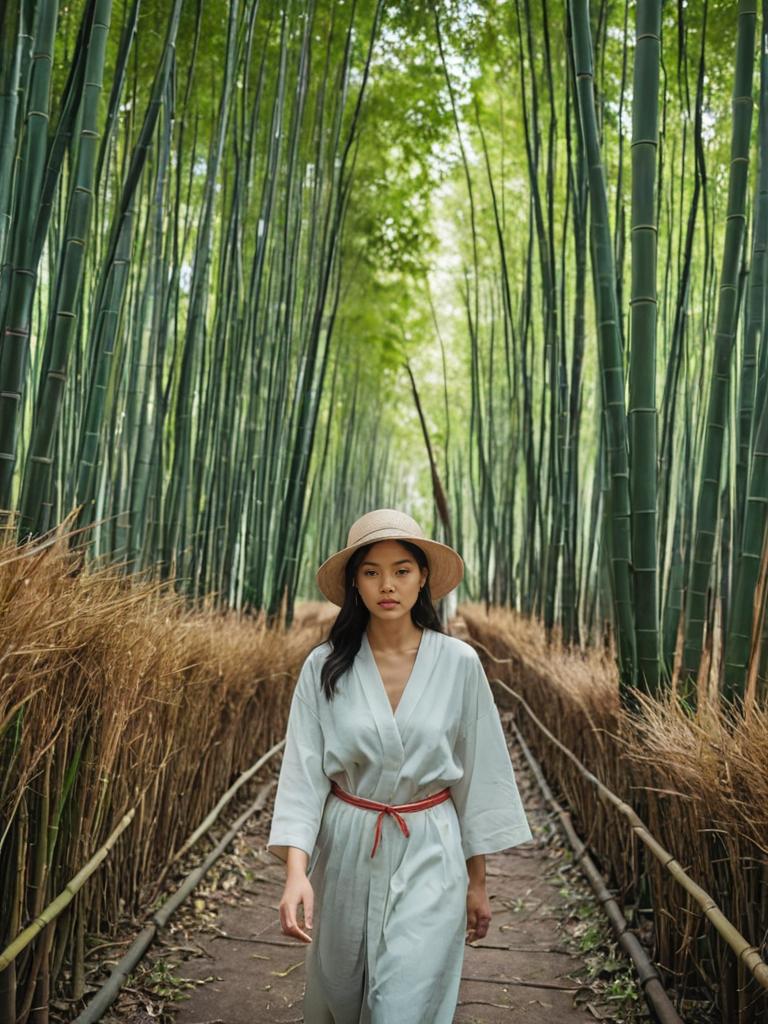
(392, 725)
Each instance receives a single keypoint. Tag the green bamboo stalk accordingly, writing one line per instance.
(642, 362)
(111, 290)
(14, 36)
(711, 466)
(14, 889)
(504, 532)
(544, 221)
(752, 471)
(61, 142)
(738, 640)
(70, 267)
(619, 205)
(611, 366)
(55, 907)
(675, 571)
(145, 438)
(16, 317)
(534, 524)
(577, 192)
(36, 997)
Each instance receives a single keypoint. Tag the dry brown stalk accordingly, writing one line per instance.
(121, 698)
(698, 782)
(758, 618)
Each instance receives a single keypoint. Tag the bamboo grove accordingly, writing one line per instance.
(170, 223)
(224, 239)
(615, 321)
(264, 266)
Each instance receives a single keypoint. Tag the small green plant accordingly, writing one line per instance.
(591, 939)
(161, 980)
(608, 978)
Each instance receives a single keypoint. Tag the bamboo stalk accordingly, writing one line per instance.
(16, 313)
(727, 315)
(58, 342)
(609, 348)
(108, 992)
(66, 896)
(758, 622)
(206, 823)
(642, 414)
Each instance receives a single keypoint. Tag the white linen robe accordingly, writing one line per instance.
(388, 932)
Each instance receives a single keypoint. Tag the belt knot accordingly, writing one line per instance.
(391, 809)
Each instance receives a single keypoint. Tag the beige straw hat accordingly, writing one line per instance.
(446, 567)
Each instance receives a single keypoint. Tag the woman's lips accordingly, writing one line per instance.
(388, 604)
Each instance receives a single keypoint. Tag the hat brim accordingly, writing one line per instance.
(446, 568)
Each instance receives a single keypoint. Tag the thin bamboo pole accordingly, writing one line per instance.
(650, 982)
(108, 992)
(66, 896)
(206, 823)
(16, 316)
(36, 480)
(716, 425)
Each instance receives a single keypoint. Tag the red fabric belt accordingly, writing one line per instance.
(393, 809)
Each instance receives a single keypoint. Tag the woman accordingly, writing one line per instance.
(389, 711)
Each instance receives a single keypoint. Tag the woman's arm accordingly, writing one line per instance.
(296, 862)
(476, 869)
(298, 889)
(478, 904)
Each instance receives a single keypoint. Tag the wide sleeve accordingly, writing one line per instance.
(487, 800)
(302, 786)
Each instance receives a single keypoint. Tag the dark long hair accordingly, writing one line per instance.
(346, 633)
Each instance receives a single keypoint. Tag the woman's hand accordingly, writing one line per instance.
(478, 911)
(298, 889)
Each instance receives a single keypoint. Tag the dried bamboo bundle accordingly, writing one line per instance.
(700, 784)
(117, 702)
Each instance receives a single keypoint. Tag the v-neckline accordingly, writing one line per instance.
(407, 685)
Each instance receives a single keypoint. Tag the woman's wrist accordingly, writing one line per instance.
(476, 869)
(296, 862)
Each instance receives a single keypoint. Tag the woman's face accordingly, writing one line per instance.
(389, 573)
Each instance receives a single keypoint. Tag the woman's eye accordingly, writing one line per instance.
(372, 572)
